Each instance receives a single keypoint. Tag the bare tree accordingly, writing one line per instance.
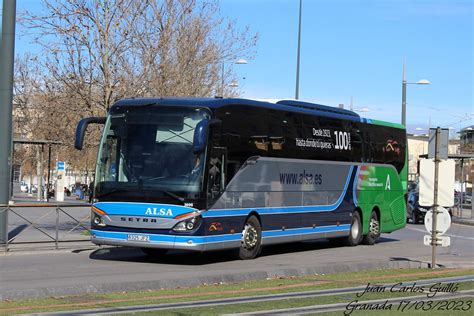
(102, 50)
(27, 116)
(98, 51)
(181, 46)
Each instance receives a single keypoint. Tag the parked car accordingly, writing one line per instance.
(468, 198)
(23, 187)
(415, 212)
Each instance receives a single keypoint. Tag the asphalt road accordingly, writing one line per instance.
(36, 274)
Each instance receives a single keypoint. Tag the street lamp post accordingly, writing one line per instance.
(297, 88)
(240, 61)
(404, 93)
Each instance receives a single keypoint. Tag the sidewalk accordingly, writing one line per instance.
(20, 197)
(39, 225)
(463, 216)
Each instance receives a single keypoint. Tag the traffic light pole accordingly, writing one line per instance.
(7, 51)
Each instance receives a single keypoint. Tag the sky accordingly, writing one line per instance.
(355, 49)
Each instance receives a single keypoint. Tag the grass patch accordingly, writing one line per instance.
(224, 290)
(294, 303)
(86, 232)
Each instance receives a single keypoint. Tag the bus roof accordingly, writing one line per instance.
(283, 105)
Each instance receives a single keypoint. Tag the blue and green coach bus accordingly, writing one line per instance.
(207, 174)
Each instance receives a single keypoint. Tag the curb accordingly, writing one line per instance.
(47, 248)
(462, 221)
(227, 278)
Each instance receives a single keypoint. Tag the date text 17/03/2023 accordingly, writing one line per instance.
(407, 304)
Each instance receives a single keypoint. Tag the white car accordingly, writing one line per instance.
(468, 199)
(23, 187)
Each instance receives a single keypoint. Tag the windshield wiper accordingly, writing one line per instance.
(174, 196)
(170, 194)
(111, 191)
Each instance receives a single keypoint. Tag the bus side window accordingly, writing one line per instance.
(217, 173)
(232, 168)
(358, 146)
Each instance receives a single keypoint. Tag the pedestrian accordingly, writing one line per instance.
(91, 191)
(81, 192)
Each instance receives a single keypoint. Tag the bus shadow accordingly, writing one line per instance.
(172, 257)
(189, 258)
(311, 245)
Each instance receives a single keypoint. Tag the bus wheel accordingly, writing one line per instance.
(251, 239)
(355, 234)
(374, 230)
(154, 252)
(414, 218)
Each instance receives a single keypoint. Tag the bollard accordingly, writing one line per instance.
(5, 210)
(57, 227)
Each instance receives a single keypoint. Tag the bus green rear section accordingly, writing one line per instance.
(389, 204)
(387, 124)
(380, 189)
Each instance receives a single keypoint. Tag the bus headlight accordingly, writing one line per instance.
(188, 224)
(97, 219)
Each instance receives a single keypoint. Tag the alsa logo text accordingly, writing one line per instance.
(161, 211)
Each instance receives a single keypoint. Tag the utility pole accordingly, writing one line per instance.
(434, 232)
(7, 52)
(297, 89)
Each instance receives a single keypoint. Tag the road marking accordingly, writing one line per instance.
(462, 237)
(448, 234)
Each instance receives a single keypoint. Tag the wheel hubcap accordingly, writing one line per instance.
(374, 227)
(249, 236)
(355, 229)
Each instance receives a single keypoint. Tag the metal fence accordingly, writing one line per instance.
(35, 224)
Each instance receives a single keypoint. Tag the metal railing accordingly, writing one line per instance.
(36, 223)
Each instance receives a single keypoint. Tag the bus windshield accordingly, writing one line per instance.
(148, 150)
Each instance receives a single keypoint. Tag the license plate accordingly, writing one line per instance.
(142, 238)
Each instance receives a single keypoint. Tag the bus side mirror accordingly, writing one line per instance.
(81, 129)
(200, 134)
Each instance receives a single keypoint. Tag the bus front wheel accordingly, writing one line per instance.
(251, 243)
(374, 230)
(355, 234)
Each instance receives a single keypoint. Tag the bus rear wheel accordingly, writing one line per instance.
(355, 234)
(251, 243)
(374, 230)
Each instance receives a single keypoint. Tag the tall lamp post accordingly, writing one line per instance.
(404, 93)
(240, 61)
(297, 88)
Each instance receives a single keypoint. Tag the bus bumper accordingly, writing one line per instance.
(183, 242)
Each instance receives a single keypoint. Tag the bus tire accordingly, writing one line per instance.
(355, 233)
(154, 252)
(414, 218)
(251, 244)
(374, 230)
